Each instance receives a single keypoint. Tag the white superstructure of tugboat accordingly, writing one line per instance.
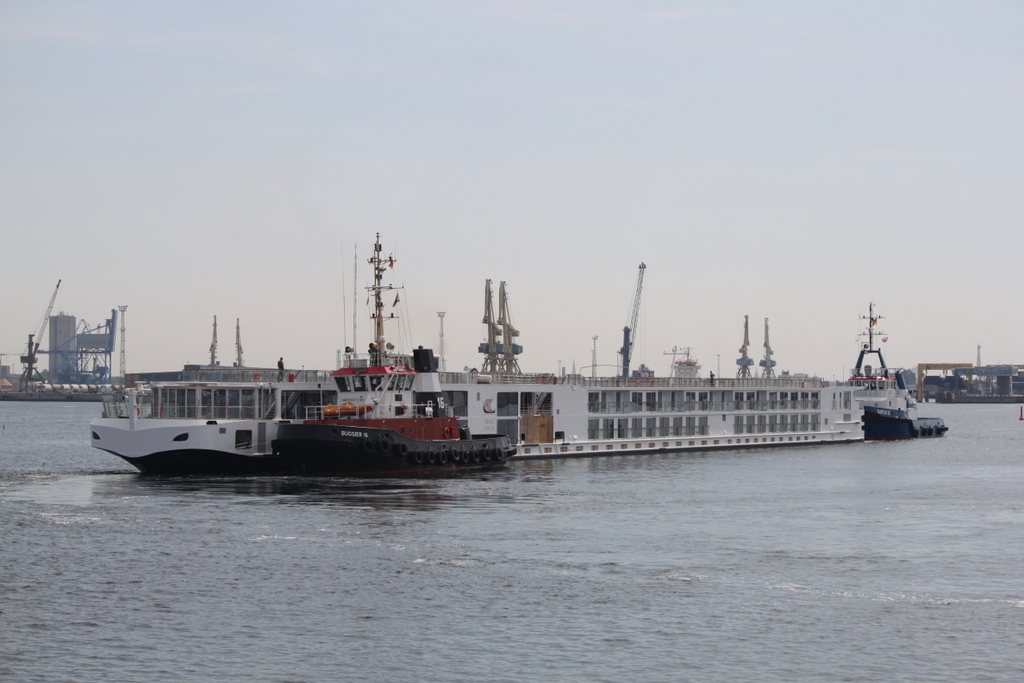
(890, 411)
(383, 415)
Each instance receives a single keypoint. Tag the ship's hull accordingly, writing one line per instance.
(326, 450)
(883, 423)
(206, 462)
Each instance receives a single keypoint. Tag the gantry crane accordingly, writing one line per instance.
(29, 359)
(628, 331)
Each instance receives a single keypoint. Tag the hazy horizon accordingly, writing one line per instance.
(792, 161)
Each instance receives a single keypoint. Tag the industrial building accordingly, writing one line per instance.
(970, 383)
(79, 352)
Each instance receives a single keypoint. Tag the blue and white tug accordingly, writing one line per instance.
(890, 412)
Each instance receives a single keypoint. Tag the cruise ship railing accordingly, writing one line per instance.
(389, 410)
(253, 375)
(633, 382)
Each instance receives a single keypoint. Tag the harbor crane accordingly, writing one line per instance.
(29, 359)
(628, 332)
(767, 363)
(499, 356)
(744, 362)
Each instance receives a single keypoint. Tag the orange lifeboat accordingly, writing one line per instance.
(347, 409)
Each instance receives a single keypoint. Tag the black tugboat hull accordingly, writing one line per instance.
(883, 423)
(340, 450)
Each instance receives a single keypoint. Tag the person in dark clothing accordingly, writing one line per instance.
(280, 368)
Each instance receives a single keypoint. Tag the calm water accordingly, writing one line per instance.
(867, 562)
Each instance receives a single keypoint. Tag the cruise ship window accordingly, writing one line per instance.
(508, 403)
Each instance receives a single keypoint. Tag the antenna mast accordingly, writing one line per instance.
(213, 345)
(238, 342)
(379, 347)
(440, 315)
(122, 309)
(869, 348)
(355, 292)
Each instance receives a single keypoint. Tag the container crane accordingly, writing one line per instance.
(628, 331)
(29, 359)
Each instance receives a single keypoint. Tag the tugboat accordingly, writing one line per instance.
(381, 415)
(373, 431)
(890, 412)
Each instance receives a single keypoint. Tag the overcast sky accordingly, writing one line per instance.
(785, 160)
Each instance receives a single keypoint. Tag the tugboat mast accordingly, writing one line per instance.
(869, 348)
(380, 264)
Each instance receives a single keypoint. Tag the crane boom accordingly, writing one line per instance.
(46, 316)
(627, 332)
